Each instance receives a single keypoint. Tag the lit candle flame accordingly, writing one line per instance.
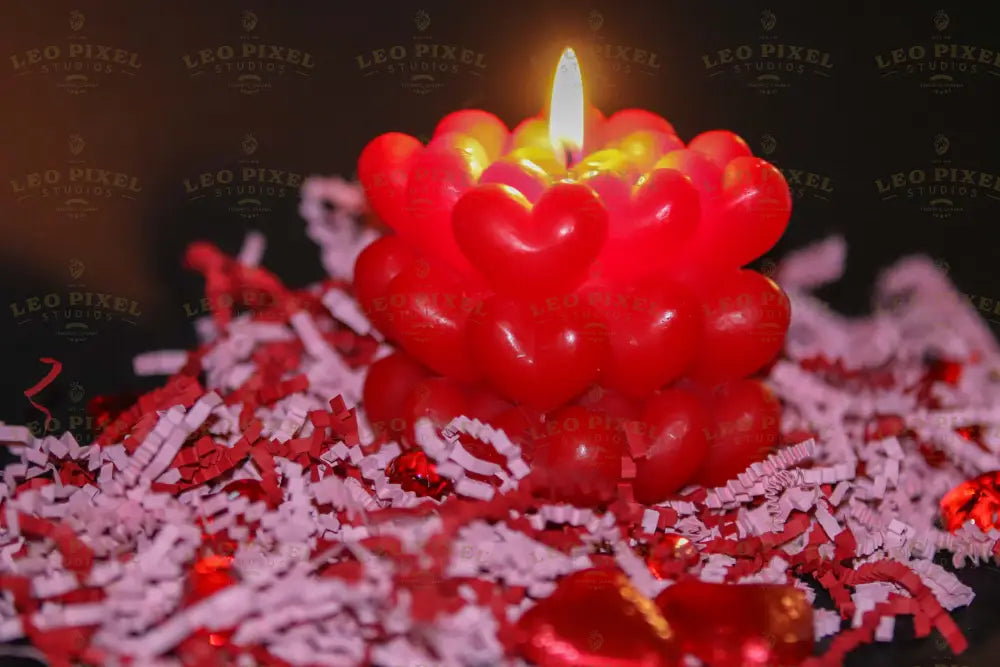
(566, 112)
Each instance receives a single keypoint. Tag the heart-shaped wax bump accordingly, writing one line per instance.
(736, 625)
(429, 309)
(746, 316)
(532, 132)
(661, 217)
(610, 174)
(745, 422)
(720, 146)
(653, 334)
(612, 403)
(376, 266)
(705, 175)
(525, 176)
(743, 222)
(756, 206)
(530, 251)
(644, 147)
(596, 617)
(383, 169)
(626, 121)
(578, 459)
(675, 425)
(438, 399)
(388, 384)
(484, 127)
(535, 354)
(449, 166)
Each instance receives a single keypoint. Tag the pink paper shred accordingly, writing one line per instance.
(333, 564)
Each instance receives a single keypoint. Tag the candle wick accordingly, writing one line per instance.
(567, 155)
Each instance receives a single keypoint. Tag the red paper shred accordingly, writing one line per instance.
(30, 392)
(403, 493)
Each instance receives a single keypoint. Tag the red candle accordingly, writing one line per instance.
(575, 250)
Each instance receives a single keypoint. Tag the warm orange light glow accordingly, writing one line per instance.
(566, 110)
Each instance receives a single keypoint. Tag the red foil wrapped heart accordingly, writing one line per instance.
(739, 625)
(412, 471)
(596, 617)
(976, 500)
(671, 555)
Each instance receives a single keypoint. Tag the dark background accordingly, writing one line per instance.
(852, 124)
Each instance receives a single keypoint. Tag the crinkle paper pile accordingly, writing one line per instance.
(128, 547)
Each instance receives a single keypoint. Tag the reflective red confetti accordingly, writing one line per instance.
(412, 471)
(949, 372)
(209, 575)
(976, 500)
(250, 489)
(671, 555)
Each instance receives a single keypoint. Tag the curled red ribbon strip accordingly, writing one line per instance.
(42, 384)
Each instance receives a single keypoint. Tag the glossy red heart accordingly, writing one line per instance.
(705, 175)
(720, 146)
(531, 251)
(449, 166)
(751, 214)
(521, 174)
(595, 617)
(644, 147)
(429, 309)
(660, 217)
(626, 121)
(737, 625)
(534, 355)
(484, 127)
(577, 457)
(757, 204)
(610, 402)
(388, 384)
(745, 428)
(376, 266)
(746, 316)
(383, 169)
(653, 335)
(438, 399)
(520, 424)
(675, 425)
